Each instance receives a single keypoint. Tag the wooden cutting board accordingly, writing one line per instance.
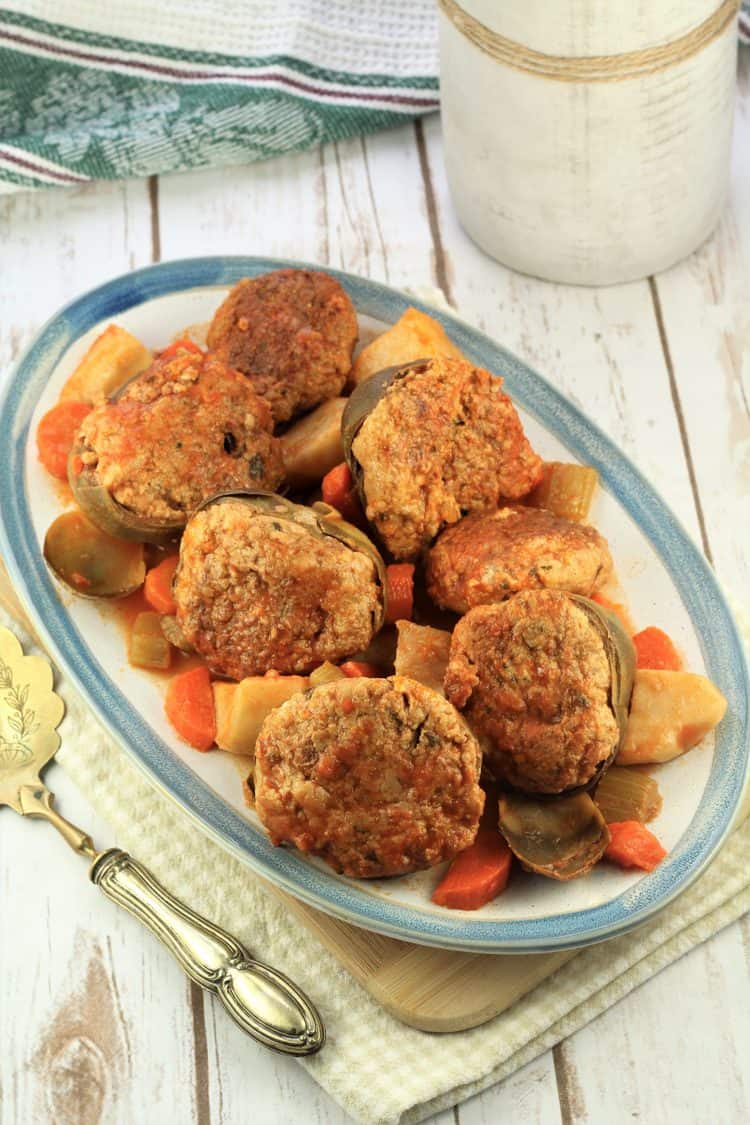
(430, 989)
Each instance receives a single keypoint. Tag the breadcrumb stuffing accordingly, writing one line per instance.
(378, 777)
(255, 593)
(444, 440)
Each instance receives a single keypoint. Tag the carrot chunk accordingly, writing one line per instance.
(339, 491)
(56, 433)
(189, 706)
(654, 649)
(354, 668)
(157, 588)
(400, 599)
(632, 845)
(477, 875)
(183, 345)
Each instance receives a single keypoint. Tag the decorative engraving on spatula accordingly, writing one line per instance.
(19, 720)
(29, 713)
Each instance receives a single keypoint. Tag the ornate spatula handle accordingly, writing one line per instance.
(264, 1002)
(261, 1000)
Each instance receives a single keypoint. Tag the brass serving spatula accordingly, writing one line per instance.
(265, 1003)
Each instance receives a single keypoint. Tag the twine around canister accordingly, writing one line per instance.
(593, 68)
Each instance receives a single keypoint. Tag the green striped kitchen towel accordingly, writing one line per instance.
(105, 90)
(92, 90)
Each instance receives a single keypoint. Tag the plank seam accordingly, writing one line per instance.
(324, 198)
(119, 1006)
(200, 1056)
(677, 404)
(349, 214)
(568, 1091)
(376, 216)
(441, 265)
(153, 201)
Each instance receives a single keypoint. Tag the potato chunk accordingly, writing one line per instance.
(422, 654)
(313, 445)
(242, 708)
(112, 358)
(414, 336)
(670, 712)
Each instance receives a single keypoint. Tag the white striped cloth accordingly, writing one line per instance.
(108, 91)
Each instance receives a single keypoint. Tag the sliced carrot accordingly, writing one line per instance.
(476, 875)
(56, 433)
(183, 345)
(354, 668)
(157, 588)
(339, 491)
(617, 608)
(633, 845)
(400, 599)
(654, 649)
(189, 705)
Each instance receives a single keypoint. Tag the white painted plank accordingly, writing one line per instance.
(673, 1051)
(706, 308)
(376, 208)
(95, 1023)
(57, 244)
(252, 212)
(528, 1097)
(276, 208)
(242, 1074)
(446, 1117)
(358, 205)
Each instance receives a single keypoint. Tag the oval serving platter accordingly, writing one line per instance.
(665, 579)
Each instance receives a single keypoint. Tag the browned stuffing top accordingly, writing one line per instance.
(379, 777)
(188, 427)
(255, 593)
(532, 677)
(292, 332)
(443, 440)
(488, 556)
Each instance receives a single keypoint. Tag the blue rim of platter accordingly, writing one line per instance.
(721, 645)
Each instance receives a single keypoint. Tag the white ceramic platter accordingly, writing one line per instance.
(665, 581)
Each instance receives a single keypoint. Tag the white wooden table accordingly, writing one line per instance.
(97, 1025)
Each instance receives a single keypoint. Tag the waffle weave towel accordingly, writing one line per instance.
(108, 91)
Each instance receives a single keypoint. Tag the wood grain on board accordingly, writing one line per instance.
(97, 1024)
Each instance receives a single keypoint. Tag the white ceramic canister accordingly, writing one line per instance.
(588, 141)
